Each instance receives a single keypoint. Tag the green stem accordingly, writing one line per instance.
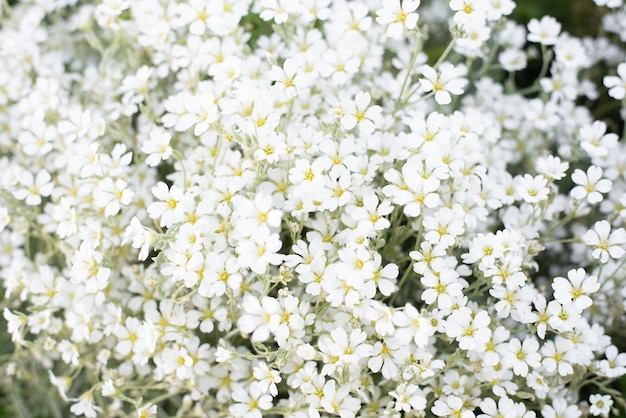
(613, 275)
(407, 103)
(487, 62)
(546, 55)
(409, 70)
(162, 397)
(409, 268)
(406, 274)
(624, 108)
(19, 405)
(570, 216)
(445, 53)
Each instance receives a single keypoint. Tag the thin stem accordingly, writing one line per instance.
(546, 55)
(5, 8)
(400, 104)
(409, 70)
(162, 397)
(487, 62)
(570, 216)
(617, 269)
(624, 109)
(445, 53)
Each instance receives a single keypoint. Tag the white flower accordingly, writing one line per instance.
(141, 237)
(278, 10)
(563, 317)
(385, 357)
(576, 288)
(256, 217)
(600, 405)
(505, 407)
(533, 189)
(442, 287)
(15, 323)
(544, 31)
(590, 185)
(475, 34)
(498, 8)
(267, 378)
(77, 124)
(65, 215)
(595, 141)
(558, 357)
(371, 215)
(127, 335)
(149, 410)
(560, 409)
(552, 167)
(250, 401)
(469, 329)
(338, 401)
(157, 147)
(200, 112)
(110, 195)
(570, 53)
(617, 84)
(444, 227)
(348, 349)
(522, 355)
(39, 140)
(443, 83)
(361, 113)
(259, 252)
(604, 243)
(219, 272)
(169, 208)
(271, 147)
(175, 361)
(86, 406)
(451, 406)
(408, 397)
(291, 78)
(339, 65)
(468, 11)
(615, 363)
(398, 16)
(609, 3)
(260, 318)
(512, 59)
(32, 189)
(195, 14)
(485, 248)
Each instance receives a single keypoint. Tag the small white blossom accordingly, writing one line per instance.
(398, 14)
(111, 195)
(32, 188)
(544, 31)
(605, 243)
(600, 405)
(149, 410)
(267, 379)
(617, 84)
(157, 147)
(533, 189)
(446, 81)
(590, 185)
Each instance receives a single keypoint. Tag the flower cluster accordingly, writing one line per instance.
(254, 208)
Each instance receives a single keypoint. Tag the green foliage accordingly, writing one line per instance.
(578, 17)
